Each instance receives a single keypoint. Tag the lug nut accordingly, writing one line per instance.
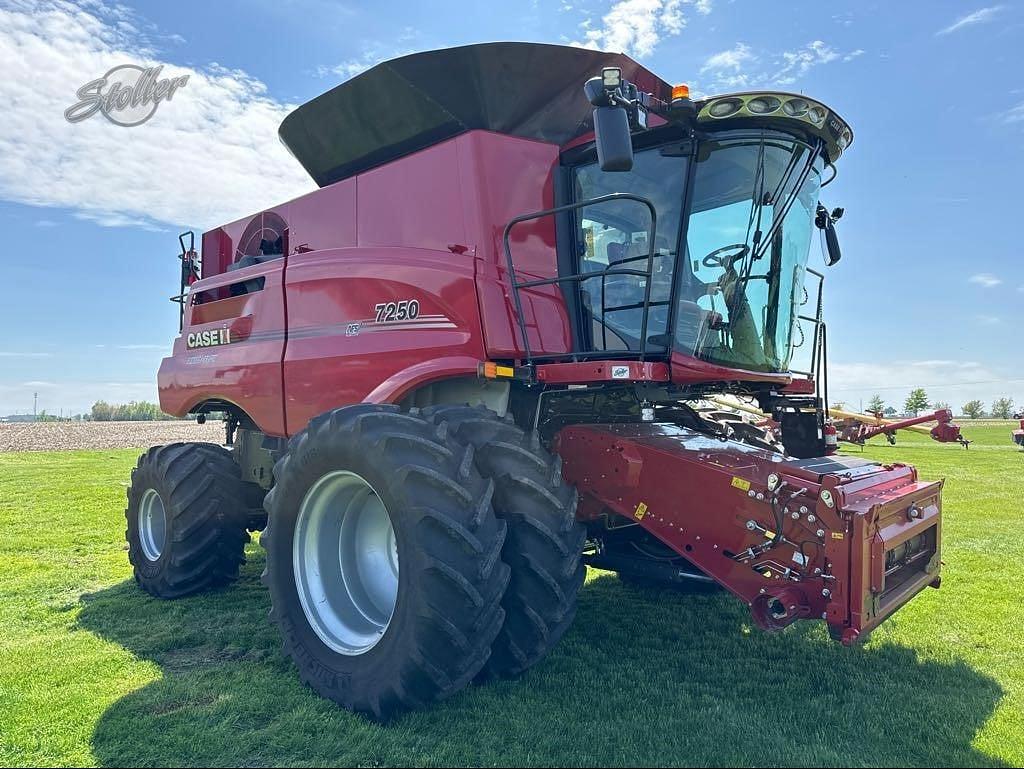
(794, 515)
(820, 533)
(812, 518)
(825, 592)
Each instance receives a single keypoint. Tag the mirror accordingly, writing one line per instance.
(614, 144)
(827, 222)
(832, 245)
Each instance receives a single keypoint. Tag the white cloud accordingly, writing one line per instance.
(635, 27)
(947, 380)
(977, 17)
(988, 320)
(731, 59)
(209, 155)
(8, 354)
(1014, 114)
(985, 279)
(142, 347)
(742, 67)
(798, 63)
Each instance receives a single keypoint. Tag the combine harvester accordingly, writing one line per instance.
(472, 362)
(1018, 435)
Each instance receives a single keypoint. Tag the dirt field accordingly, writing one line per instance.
(59, 436)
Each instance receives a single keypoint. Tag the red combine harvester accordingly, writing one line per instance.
(1018, 435)
(471, 364)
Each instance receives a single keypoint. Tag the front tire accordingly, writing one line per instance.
(405, 613)
(186, 519)
(545, 541)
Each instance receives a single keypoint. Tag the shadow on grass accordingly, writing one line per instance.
(644, 678)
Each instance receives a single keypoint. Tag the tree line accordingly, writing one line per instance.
(135, 411)
(917, 401)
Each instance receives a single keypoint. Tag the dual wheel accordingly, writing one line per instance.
(408, 553)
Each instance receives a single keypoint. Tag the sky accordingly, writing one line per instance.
(929, 293)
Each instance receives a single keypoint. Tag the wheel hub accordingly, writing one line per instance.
(345, 559)
(152, 524)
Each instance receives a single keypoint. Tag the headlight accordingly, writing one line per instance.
(796, 107)
(725, 107)
(763, 105)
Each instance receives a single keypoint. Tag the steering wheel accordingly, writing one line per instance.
(718, 258)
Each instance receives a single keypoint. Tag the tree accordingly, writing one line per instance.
(974, 409)
(917, 401)
(1002, 408)
(136, 411)
(889, 411)
(939, 405)
(876, 405)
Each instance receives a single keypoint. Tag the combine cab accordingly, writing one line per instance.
(479, 358)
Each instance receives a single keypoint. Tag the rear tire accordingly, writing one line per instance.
(186, 519)
(437, 625)
(545, 542)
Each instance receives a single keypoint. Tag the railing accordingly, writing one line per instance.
(578, 278)
(190, 267)
(818, 323)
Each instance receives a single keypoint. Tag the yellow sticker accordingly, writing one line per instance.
(837, 535)
(641, 511)
(741, 483)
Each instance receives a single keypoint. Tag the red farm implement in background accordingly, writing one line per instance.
(478, 359)
(858, 428)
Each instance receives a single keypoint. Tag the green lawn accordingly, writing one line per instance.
(93, 671)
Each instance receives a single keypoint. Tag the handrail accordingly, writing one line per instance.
(580, 277)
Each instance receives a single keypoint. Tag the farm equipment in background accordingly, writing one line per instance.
(479, 358)
(857, 428)
(1018, 435)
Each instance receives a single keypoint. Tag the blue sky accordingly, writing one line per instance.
(930, 291)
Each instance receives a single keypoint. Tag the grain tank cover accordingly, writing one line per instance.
(403, 105)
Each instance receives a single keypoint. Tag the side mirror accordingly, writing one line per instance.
(611, 120)
(827, 222)
(614, 143)
(832, 245)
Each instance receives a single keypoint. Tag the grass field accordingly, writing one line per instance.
(93, 671)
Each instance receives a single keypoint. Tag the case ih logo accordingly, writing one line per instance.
(127, 95)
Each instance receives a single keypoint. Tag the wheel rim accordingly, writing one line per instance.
(152, 524)
(345, 558)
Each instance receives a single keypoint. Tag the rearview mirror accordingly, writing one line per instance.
(614, 143)
(611, 120)
(827, 222)
(832, 245)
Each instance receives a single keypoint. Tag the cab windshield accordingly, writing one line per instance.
(734, 292)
